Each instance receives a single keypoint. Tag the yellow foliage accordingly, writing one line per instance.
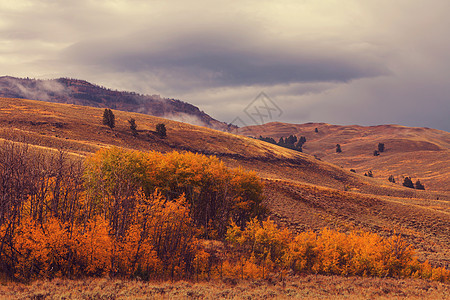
(215, 194)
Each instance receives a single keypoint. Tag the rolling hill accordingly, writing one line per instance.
(81, 92)
(420, 153)
(302, 192)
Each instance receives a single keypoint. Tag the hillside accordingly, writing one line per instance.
(420, 153)
(80, 92)
(302, 192)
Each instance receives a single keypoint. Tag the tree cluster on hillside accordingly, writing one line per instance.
(407, 182)
(290, 142)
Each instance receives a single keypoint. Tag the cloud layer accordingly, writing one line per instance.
(340, 62)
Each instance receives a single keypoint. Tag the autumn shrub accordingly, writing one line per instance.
(327, 252)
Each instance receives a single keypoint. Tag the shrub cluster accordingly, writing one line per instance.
(153, 216)
(124, 213)
(262, 248)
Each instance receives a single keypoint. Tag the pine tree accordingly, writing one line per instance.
(381, 147)
(109, 118)
(161, 130)
(338, 148)
(133, 126)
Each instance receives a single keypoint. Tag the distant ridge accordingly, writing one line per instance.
(81, 92)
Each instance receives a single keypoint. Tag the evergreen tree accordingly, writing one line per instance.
(392, 179)
(109, 118)
(381, 147)
(338, 148)
(376, 153)
(316, 130)
(161, 130)
(133, 126)
(408, 182)
(267, 139)
(292, 139)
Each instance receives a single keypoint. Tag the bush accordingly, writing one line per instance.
(419, 185)
(391, 179)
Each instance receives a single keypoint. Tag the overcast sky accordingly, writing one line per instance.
(364, 62)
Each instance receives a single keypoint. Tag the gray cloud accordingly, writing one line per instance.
(345, 62)
(223, 59)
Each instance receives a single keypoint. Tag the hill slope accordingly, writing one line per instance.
(421, 153)
(80, 92)
(302, 192)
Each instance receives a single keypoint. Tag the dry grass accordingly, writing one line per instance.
(311, 287)
(422, 153)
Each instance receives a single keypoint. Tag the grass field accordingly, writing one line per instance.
(298, 287)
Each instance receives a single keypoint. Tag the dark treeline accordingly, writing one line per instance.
(291, 142)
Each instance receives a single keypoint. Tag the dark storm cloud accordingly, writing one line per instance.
(221, 59)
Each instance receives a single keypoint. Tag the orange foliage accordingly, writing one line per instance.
(142, 215)
(329, 252)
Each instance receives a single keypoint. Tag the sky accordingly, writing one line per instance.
(365, 62)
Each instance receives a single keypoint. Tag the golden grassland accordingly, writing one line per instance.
(303, 193)
(292, 287)
(421, 153)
